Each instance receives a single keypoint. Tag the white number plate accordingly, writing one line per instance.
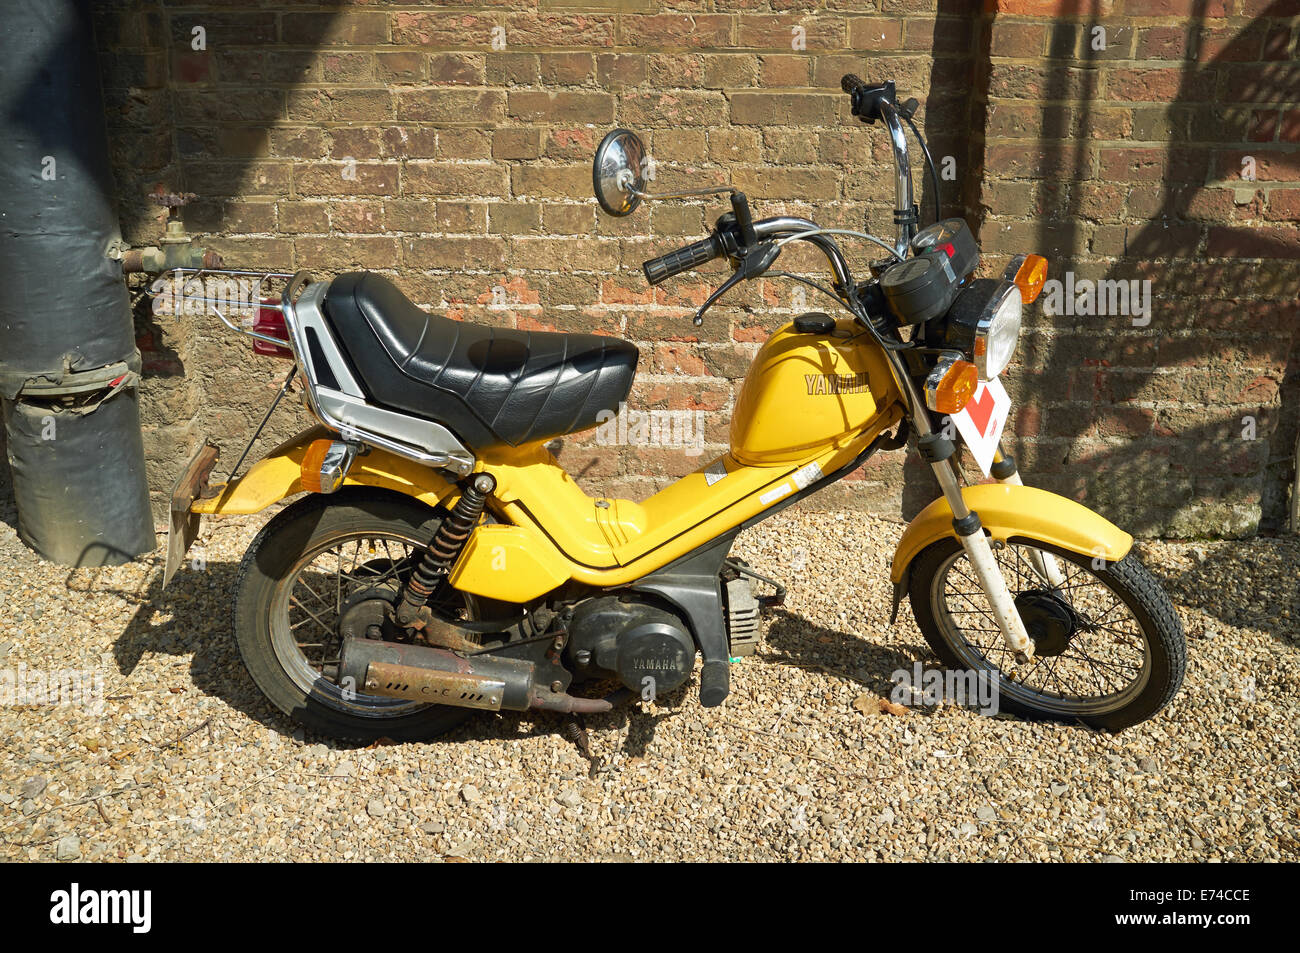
(981, 421)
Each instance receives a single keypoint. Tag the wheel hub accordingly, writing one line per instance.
(366, 616)
(1049, 621)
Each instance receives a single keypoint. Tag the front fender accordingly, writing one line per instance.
(1007, 511)
(279, 475)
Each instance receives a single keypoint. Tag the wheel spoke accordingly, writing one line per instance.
(1105, 656)
(306, 625)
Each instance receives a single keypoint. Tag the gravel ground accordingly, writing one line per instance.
(186, 762)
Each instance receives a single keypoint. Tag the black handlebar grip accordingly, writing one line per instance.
(684, 259)
(850, 82)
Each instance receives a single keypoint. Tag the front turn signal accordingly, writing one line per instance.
(950, 385)
(1030, 276)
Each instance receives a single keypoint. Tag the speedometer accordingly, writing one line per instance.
(954, 239)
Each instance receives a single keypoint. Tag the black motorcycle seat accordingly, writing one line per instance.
(488, 385)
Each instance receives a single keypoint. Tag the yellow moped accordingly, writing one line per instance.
(441, 560)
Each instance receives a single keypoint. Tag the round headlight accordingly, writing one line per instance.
(997, 332)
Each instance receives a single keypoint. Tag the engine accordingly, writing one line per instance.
(632, 639)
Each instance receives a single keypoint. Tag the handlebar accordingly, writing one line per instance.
(683, 259)
(704, 251)
(871, 101)
(664, 267)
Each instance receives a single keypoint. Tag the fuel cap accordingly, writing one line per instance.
(814, 322)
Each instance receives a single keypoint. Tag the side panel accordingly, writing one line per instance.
(511, 563)
(1007, 511)
(807, 393)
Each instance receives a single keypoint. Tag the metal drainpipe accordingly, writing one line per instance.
(69, 367)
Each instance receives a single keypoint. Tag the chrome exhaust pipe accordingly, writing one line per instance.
(427, 674)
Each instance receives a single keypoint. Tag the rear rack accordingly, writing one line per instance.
(239, 291)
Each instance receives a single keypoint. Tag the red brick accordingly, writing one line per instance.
(1290, 131)
(677, 30)
(1177, 8)
(1049, 8)
(1013, 38)
(563, 106)
(760, 31)
(876, 33)
(1260, 242)
(1284, 205)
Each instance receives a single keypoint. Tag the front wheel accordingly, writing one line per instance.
(1108, 648)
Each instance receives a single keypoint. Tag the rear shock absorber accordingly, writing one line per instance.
(444, 548)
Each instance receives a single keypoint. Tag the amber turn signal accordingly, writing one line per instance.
(950, 385)
(325, 465)
(1030, 277)
(311, 464)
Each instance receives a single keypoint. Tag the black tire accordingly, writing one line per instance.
(1164, 646)
(309, 526)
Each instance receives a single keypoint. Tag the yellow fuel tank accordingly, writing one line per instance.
(808, 392)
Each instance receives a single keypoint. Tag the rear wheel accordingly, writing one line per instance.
(1109, 650)
(323, 567)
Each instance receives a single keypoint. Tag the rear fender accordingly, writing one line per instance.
(278, 475)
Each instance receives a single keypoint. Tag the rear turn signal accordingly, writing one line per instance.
(950, 385)
(1030, 272)
(325, 465)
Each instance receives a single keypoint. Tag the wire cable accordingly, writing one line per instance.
(929, 162)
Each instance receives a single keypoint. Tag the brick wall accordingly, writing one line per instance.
(1126, 162)
(405, 138)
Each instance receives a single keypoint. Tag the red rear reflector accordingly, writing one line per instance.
(270, 321)
(949, 250)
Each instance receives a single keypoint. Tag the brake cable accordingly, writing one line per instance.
(838, 231)
(929, 162)
(850, 301)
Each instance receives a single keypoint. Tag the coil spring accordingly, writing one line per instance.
(576, 731)
(444, 548)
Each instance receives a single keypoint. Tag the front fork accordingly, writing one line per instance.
(1044, 564)
(938, 452)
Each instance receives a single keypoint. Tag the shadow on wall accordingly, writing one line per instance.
(955, 107)
(1217, 323)
(166, 130)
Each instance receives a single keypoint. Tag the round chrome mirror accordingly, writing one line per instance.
(616, 174)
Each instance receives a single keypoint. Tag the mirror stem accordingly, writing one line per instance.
(683, 194)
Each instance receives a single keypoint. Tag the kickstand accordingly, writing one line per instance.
(575, 729)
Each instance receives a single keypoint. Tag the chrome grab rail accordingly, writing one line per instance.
(251, 300)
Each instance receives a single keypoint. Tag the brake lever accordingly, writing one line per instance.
(756, 261)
